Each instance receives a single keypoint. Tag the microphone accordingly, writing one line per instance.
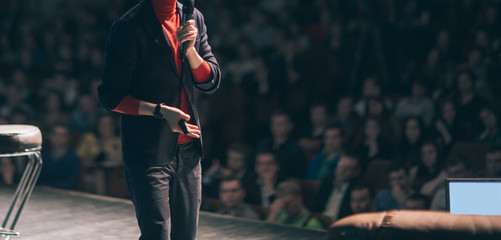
(188, 7)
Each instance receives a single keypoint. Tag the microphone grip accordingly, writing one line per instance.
(188, 8)
(182, 49)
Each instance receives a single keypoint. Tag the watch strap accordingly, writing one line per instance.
(157, 114)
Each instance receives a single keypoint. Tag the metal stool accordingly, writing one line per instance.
(20, 140)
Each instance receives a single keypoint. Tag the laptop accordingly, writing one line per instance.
(478, 196)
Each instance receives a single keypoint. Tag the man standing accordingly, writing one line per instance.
(146, 81)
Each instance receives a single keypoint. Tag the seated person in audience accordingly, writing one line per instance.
(417, 201)
(324, 163)
(61, 166)
(313, 135)
(491, 123)
(417, 104)
(457, 167)
(394, 198)
(98, 150)
(103, 146)
(84, 117)
(408, 151)
(53, 110)
(446, 130)
(288, 207)
(468, 102)
(231, 196)
(371, 87)
(333, 198)
(289, 155)
(261, 190)
(492, 163)
(428, 174)
(8, 173)
(362, 198)
(390, 124)
(372, 142)
(346, 117)
(237, 163)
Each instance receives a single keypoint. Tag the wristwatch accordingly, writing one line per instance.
(157, 114)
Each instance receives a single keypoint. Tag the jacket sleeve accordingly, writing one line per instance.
(120, 61)
(205, 52)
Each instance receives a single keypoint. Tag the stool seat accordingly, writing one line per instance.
(19, 138)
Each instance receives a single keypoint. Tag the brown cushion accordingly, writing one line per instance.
(19, 138)
(409, 225)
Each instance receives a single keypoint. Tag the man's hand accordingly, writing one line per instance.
(275, 208)
(187, 33)
(174, 115)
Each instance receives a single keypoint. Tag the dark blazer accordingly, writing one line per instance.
(324, 192)
(139, 62)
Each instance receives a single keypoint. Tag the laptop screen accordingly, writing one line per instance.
(481, 196)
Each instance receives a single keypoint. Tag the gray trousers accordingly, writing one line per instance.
(167, 198)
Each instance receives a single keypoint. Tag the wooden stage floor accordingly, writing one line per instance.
(53, 214)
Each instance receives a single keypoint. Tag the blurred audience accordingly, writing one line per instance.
(98, 150)
(61, 166)
(288, 207)
(237, 165)
(490, 132)
(333, 199)
(8, 173)
(261, 190)
(428, 174)
(346, 117)
(311, 140)
(400, 189)
(447, 129)
(324, 163)
(492, 163)
(457, 167)
(289, 155)
(362, 198)
(372, 142)
(408, 150)
(426, 82)
(231, 195)
(418, 104)
(417, 201)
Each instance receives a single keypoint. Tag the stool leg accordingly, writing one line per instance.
(21, 188)
(25, 187)
(37, 168)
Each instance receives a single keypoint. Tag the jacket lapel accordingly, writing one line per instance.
(155, 31)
